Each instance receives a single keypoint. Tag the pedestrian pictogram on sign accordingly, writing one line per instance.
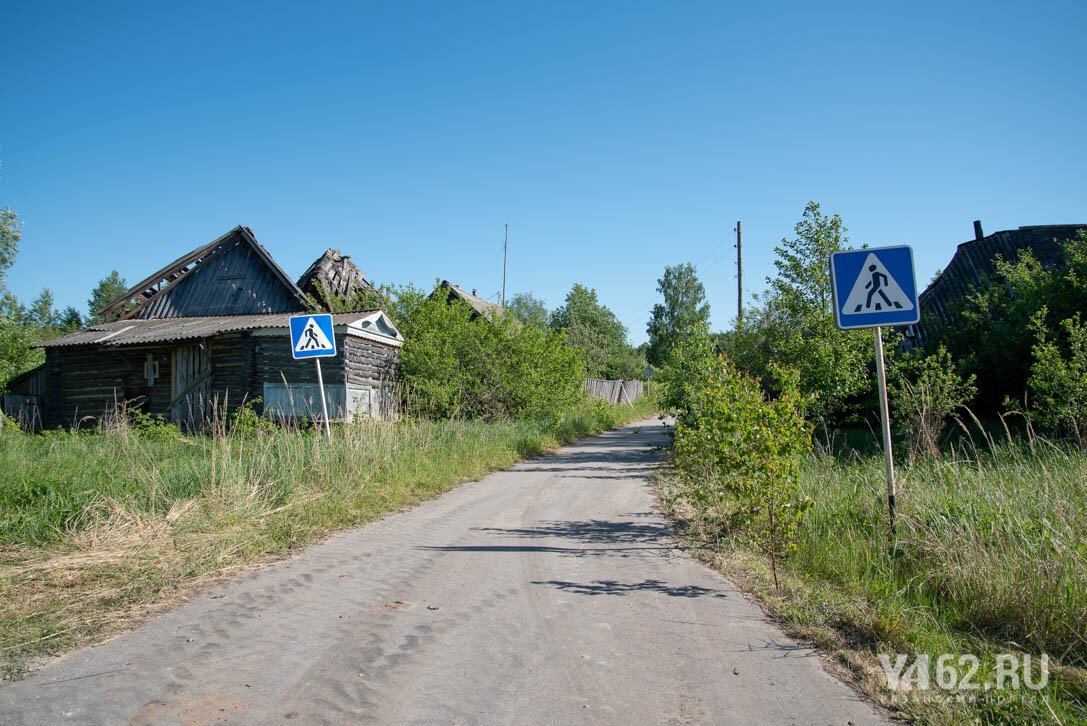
(874, 287)
(312, 337)
(875, 290)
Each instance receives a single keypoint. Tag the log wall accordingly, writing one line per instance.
(84, 382)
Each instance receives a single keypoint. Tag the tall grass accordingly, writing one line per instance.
(97, 527)
(990, 557)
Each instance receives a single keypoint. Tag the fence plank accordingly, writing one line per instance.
(615, 391)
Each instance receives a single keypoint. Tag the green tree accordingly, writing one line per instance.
(594, 330)
(41, 312)
(16, 336)
(684, 308)
(529, 309)
(10, 234)
(70, 320)
(453, 366)
(108, 289)
(796, 324)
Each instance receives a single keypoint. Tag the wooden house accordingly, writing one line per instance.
(205, 334)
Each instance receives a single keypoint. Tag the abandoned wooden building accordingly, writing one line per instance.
(202, 336)
(480, 308)
(973, 266)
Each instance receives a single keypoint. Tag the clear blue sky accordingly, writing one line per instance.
(614, 138)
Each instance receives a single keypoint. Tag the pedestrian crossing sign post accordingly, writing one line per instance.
(312, 337)
(872, 288)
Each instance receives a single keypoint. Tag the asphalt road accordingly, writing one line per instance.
(551, 593)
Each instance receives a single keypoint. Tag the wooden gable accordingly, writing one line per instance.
(234, 275)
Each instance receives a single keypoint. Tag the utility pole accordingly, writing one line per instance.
(505, 253)
(739, 276)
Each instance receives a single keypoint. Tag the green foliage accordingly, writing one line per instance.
(995, 335)
(593, 329)
(689, 368)
(247, 422)
(1058, 379)
(832, 364)
(154, 428)
(16, 355)
(454, 367)
(108, 289)
(739, 455)
(684, 308)
(10, 234)
(990, 558)
(924, 391)
(795, 324)
(148, 514)
(529, 309)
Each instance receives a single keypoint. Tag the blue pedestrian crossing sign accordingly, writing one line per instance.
(312, 336)
(874, 287)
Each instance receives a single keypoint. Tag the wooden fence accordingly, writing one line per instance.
(615, 391)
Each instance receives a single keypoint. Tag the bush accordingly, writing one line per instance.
(690, 365)
(739, 454)
(997, 330)
(455, 367)
(925, 390)
(1058, 383)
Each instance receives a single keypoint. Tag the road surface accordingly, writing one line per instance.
(551, 593)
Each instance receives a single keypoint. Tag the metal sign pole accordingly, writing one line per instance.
(888, 456)
(324, 404)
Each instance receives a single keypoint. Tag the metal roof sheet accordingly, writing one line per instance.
(136, 332)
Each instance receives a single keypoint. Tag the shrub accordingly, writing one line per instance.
(455, 367)
(690, 365)
(1058, 382)
(739, 455)
(925, 390)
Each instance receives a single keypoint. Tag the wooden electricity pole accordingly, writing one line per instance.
(505, 252)
(739, 276)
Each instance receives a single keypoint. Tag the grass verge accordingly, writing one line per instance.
(990, 559)
(99, 531)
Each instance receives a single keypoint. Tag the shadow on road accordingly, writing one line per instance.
(613, 587)
(608, 452)
(591, 531)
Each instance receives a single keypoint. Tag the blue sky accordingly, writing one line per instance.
(613, 138)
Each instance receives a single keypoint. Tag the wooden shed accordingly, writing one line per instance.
(204, 335)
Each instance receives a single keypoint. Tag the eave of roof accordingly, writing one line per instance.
(166, 330)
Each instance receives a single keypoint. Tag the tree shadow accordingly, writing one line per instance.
(614, 587)
(590, 531)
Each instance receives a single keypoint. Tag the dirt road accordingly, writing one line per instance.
(551, 593)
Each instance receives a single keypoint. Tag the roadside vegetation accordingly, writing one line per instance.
(778, 474)
(104, 527)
